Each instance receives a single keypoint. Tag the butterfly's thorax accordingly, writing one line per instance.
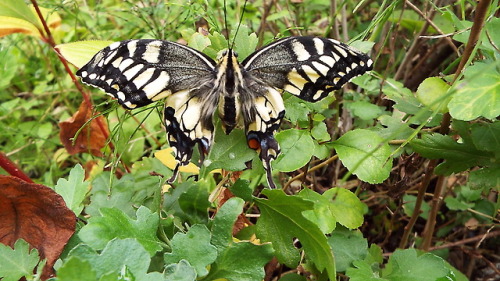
(229, 83)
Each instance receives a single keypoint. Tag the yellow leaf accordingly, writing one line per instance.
(168, 159)
(16, 24)
(79, 53)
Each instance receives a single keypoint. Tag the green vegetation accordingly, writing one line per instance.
(387, 179)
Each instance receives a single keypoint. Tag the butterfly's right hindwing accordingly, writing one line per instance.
(138, 72)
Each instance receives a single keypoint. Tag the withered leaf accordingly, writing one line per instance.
(91, 138)
(38, 215)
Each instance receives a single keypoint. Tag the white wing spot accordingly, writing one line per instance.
(116, 63)
(92, 76)
(300, 51)
(354, 65)
(115, 86)
(109, 57)
(143, 78)
(292, 90)
(132, 46)
(120, 95)
(369, 63)
(109, 81)
(335, 42)
(126, 63)
(318, 43)
(335, 56)
(348, 69)
(132, 72)
(295, 79)
(84, 74)
(336, 80)
(362, 63)
(162, 95)
(341, 51)
(311, 73)
(318, 95)
(152, 53)
(323, 69)
(341, 74)
(114, 45)
(156, 86)
(328, 60)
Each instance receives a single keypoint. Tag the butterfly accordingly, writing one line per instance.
(195, 87)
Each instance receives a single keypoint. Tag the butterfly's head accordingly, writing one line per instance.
(226, 55)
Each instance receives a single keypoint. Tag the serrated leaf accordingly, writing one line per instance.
(181, 271)
(222, 228)
(18, 262)
(479, 94)
(118, 254)
(297, 148)
(365, 154)
(458, 156)
(245, 42)
(18, 9)
(433, 92)
(363, 272)
(320, 132)
(296, 109)
(81, 52)
(76, 269)
(194, 202)
(485, 178)
(487, 136)
(347, 246)
(193, 246)
(406, 265)
(74, 189)
(282, 220)
(232, 264)
(199, 41)
(229, 152)
(115, 224)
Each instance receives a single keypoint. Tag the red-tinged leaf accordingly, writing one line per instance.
(89, 138)
(38, 215)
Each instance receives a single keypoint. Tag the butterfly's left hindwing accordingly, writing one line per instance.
(308, 67)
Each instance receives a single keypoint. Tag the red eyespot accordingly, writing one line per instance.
(253, 144)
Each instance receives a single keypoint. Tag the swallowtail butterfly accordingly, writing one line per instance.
(139, 72)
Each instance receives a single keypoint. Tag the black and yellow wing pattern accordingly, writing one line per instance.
(138, 72)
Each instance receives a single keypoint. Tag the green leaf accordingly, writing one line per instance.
(487, 136)
(406, 265)
(193, 246)
(365, 154)
(296, 109)
(409, 206)
(485, 178)
(76, 269)
(181, 271)
(297, 148)
(320, 132)
(18, 262)
(433, 92)
(118, 254)
(242, 189)
(199, 41)
(479, 94)
(18, 9)
(229, 152)
(322, 214)
(245, 42)
(116, 224)
(347, 246)
(74, 189)
(364, 110)
(458, 156)
(194, 202)
(454, 204)
(243, 261)
(363, 272)
(222, 228)
(79, 53)
(282, 220)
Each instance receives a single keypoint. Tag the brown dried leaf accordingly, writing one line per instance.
(90, 138)
(38, 215)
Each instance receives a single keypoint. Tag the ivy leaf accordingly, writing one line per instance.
(115, 224)
(458, 156)
(347, 246)
(297, 148)
(223, 223)
(18, 262)
(365, 154)
(181, 271)
(74, 189)
(193, 246)
(282, 220)
(406, 265)
(479, 94)
(241, 261)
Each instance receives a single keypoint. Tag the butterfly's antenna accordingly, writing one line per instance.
(239, 23)
(225, 22)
